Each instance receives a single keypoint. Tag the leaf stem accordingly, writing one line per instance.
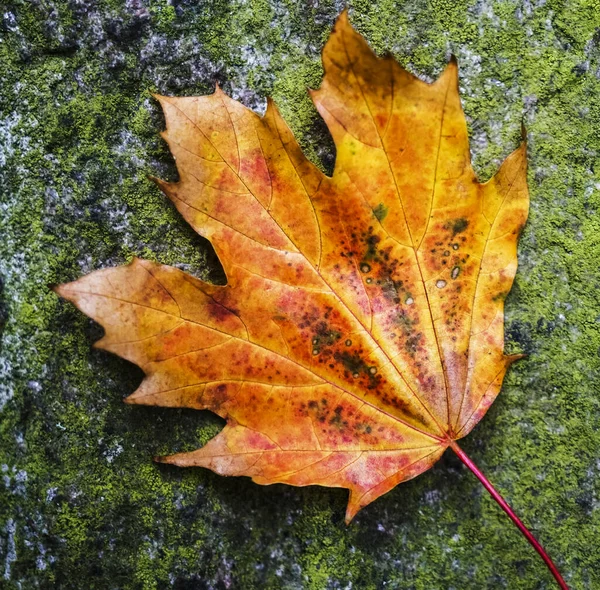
(504, 505)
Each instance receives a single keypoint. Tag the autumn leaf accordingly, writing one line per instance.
(360, 333)
(361, 328)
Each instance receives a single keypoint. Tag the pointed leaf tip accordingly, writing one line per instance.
(451, 70)
(352, 509)
(344, 16)
(513, 358)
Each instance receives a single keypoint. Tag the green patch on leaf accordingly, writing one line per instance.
(380, 212)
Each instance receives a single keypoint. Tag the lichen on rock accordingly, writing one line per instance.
(78, 136)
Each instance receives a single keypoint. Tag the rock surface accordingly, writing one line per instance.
(82, 500)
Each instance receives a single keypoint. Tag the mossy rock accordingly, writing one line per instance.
(82, 503)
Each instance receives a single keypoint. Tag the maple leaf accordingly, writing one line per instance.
(361, 327)
(360, 332)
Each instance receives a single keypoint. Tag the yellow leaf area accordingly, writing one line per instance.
(361, 328)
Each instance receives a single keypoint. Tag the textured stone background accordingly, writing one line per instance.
(81, 503)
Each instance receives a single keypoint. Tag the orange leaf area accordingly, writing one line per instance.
(361, 328)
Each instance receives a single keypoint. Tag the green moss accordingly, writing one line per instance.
(164, 15)
(85, 499)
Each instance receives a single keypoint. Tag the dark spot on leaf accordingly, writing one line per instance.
(457, 225)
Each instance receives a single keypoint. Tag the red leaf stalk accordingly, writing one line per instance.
(504, 505)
